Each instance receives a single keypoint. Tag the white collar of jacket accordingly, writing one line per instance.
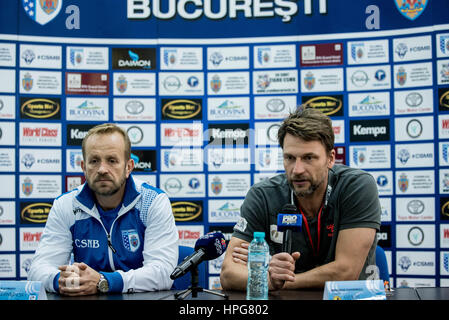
(86, 200)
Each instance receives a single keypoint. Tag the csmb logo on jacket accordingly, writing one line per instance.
(87, 243)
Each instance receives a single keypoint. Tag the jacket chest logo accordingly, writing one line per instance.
(330, 230)
(131, 240)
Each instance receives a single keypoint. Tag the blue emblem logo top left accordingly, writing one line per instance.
(42, 11)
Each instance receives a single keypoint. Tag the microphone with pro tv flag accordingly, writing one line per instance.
(208, 247)
(288, 221)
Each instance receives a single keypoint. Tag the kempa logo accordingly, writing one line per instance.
(228, 134)
(76, 133)
(359, 130)
(370, 130)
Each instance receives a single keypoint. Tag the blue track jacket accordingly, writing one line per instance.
(137, 254)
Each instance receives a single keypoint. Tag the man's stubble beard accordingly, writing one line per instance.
(313, 187)
(110, 192)
(304, 193)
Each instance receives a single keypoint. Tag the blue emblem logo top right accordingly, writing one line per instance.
(411, 9)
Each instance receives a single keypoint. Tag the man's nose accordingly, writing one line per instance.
(299, 167)
(103, 167)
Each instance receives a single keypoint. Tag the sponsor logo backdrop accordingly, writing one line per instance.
(201, 87)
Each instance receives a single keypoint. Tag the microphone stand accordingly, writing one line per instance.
(194, 288)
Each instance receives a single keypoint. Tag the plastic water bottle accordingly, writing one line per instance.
(258, 258)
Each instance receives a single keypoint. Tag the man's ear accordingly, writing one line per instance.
(83, 166)
(331, 159)
(129, 167)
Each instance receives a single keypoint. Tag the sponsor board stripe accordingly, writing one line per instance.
(165, 41)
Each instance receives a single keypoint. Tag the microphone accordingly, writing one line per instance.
(208, 247)
(288, 221)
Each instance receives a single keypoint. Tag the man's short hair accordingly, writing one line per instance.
(108, 128)
(310, 125)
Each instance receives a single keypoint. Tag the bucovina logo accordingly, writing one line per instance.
(42, 11)
(411, 9)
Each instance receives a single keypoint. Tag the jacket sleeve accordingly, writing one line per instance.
(55, 245)
(160, 251)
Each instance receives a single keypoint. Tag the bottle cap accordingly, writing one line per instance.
(259, 235)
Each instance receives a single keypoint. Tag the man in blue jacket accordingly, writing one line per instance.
(121, 230)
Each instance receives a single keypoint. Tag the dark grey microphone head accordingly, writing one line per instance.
(289, 209)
